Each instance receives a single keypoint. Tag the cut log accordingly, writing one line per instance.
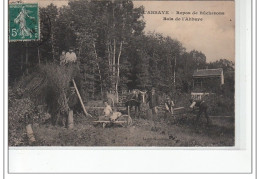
(70, 120)
(30, 134)
(110, 122)
(175, 109)
(80, 99)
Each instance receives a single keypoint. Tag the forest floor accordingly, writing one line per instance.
(142, 132)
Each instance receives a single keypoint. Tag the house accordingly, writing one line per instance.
(207, 80)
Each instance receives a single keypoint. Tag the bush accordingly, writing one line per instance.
(21, 111)
(49, 85)
(218, 104)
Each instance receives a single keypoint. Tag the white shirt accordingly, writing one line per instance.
(108, 110)
(171, 105)
(115, 115)
(70, 57)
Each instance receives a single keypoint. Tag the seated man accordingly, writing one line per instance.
(107, 112)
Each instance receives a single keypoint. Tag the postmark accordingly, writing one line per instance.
(24, 22)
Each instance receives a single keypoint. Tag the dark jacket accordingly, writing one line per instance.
(201, 104)
(153, 100)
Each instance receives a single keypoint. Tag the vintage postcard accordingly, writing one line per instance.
(146, 86)
(121, 73)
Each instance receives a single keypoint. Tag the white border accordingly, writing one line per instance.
(174, 161)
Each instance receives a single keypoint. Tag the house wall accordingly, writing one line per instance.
(212, 84)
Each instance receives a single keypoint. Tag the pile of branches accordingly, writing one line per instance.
(50, 85)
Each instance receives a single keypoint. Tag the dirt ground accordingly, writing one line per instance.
(142, 132)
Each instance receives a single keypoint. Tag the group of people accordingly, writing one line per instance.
(68, 57)
(109, 114)
(153, 103)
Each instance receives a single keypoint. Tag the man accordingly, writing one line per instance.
(72, 103)
(62, 57)
(107, 112)
(169, 104)
(70, 56)
(133, 95)
(153, 100)
(203, 108)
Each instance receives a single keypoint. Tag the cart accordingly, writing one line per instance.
(124, 121)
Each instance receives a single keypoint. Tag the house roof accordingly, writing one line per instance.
(207, 72)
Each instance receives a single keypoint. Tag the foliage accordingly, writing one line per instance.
(114, 52)
(21, 111)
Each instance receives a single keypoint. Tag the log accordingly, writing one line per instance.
(119, 122)
(30, 134)
(193, 104)
(70, 120)
(175, 109)
(80, 99)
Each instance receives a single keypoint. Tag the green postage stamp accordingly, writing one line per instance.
(24, 22)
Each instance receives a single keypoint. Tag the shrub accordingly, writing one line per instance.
(50, 85)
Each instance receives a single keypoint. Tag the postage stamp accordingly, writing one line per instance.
(24, 22)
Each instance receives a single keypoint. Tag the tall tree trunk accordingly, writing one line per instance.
(114, 57)
(52, 46)
(93, 83)
(110, 65)
(21, 62)
(99, 73)
(174, 74)
(80, 48)
(39, 57)
(26, 58)
(114, 66)
(118, 70)
(109, 57)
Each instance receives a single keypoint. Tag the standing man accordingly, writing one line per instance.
(153, 100)
(203, 108)
(169, 104)
(70, 56)
(62, 57)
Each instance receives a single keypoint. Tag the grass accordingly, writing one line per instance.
(166, 132)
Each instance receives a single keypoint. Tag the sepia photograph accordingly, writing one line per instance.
(121, 73)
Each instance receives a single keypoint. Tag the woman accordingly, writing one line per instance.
(21, 20)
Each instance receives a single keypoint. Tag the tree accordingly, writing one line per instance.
(103, 35)
(228, 89)
(48, 44)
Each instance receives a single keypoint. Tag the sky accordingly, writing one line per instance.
(214, 35)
